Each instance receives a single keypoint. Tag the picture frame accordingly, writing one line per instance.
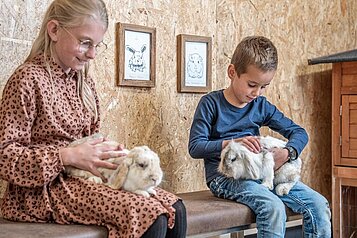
(194, 64)
(136, 55)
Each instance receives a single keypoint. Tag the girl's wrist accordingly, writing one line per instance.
(63, 154)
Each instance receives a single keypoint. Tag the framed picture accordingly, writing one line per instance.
(194, 63)
(136, 55)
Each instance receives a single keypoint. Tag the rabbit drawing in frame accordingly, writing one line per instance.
(195, 66)
(240, 163)
(138, 171)
(136, 61)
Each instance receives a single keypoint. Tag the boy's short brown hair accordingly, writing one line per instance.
(255, 50)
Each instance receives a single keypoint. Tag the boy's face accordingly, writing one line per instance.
(248, 86)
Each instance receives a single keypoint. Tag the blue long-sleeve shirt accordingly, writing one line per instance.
(216, 120)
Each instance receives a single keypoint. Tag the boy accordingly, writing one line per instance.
(237, 113)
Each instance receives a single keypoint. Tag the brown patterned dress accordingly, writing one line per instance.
(38, 116)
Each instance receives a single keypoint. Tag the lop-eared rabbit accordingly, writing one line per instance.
(240, 163)
(138, 171)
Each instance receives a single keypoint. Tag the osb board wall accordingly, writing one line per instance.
(160, 117)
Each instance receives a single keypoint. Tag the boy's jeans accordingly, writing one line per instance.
(269, 207)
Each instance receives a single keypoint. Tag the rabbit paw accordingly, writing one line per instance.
(95, 180)
(268, 184)
(282, 189)
(151, 191)
(143, 193)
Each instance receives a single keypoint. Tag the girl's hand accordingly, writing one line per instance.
(280, 157)
(91, 155)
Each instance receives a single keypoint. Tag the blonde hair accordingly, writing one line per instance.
(255, 50)
(70, 13)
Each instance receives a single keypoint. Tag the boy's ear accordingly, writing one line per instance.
(231, 71)
(52, 29)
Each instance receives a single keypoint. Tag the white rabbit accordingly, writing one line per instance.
(240, 163)
(138, 171)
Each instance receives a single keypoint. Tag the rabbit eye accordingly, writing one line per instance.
(230, 157)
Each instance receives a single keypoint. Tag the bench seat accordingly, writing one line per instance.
(206, 216)
(10, 229)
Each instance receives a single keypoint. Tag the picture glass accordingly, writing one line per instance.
(137, 55)
(195, 65)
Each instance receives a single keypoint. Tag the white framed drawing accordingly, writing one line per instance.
(194, 63)
(136, 55)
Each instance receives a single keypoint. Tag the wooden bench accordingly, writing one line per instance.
(206, 216)
(10, 229)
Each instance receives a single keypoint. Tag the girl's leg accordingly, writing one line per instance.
(125, 214)
(314, 208)
(269, 209)
(158, 228)
(180, 227)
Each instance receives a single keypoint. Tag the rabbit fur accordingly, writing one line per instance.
(240, 163)
(138, 171)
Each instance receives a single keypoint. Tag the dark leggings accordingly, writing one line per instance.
(159, 228)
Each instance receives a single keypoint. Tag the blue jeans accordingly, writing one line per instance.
(270, 209)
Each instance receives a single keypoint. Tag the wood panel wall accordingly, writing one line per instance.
(160, 117)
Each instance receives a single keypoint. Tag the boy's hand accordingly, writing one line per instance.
(280, 157)
(251, 142)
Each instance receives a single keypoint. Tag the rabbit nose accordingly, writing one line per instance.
(155, 181)
(154, 178)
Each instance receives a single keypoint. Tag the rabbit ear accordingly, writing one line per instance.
(143, 48)
(250, 166)
(128, 47)
(118, 178)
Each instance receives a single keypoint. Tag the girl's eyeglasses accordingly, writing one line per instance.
(85, 45)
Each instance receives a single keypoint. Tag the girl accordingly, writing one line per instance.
(49, 101)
